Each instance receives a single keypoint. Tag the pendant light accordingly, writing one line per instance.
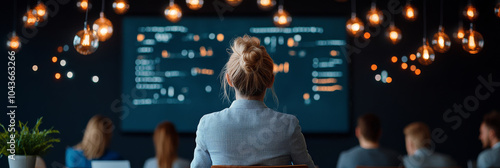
(102, 26)
(425, 54)
(86, 41)
(354, 26)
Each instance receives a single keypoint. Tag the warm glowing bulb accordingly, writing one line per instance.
(374, 17)
(410, 12)
(41, 12)
(83, 4)
(440, 41)
(13, 44)
(194, 4)
(173, 13)
(473, 41)
(266, 4)
(86, 41)
(281, 18)
(354, 26)
(103, 27)
(470, 13)
(233, 3)
(460, 34)
(120, 6)
(29, 19)
(394, 34)
(425, 55)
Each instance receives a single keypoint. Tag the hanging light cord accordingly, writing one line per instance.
(353, 8)
(441, 16)
(102, 11)
(15, 13)
(86, 16)
(425, 32)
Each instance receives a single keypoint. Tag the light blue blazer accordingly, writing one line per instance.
(249, 133)
(426, 158)
(489, 157)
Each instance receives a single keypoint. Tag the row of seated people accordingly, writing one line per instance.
(369, 153)
(250, 133)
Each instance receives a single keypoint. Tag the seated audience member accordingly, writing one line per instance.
(489, 136)
(418, 138)
(94, 145)
(369, 152)
(248, 132)
(166, 142)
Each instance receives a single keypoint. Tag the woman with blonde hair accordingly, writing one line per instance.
(166, 142)
(94, 145)
(248, 132)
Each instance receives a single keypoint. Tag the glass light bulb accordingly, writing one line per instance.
(374, 17)
(29, 19)
(194, 4)
(394, 34)
(470, 12)
(441, 42)
(173, 13)
(233, 3)
(83, 4)
(281, 18)
(266, 4)
(497, 9)
(473, 42)
(425, 55)
(410, 12)
(103, 27)
(86, 41)
(459, 34)
(14, 43)
(354, 26)
(120, 6)
(41, 11)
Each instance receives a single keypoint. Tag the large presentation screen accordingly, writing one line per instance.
(171, 71)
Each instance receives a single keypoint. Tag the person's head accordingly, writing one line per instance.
(97, 137)
(166, 141)
(368, 128)
(249, 69)
(490, 129)
(417, 135)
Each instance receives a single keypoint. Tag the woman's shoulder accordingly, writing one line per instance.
(285, 116)
(213, 115)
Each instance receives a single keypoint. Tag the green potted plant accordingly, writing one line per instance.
(27, 144)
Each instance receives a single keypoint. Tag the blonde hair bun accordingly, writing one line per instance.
(250, 68)
(250, 52)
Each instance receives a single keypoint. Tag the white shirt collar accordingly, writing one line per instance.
(497, 145)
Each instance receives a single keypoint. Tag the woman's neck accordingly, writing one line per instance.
(259, 98)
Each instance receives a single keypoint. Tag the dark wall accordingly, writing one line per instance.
(67, 104)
